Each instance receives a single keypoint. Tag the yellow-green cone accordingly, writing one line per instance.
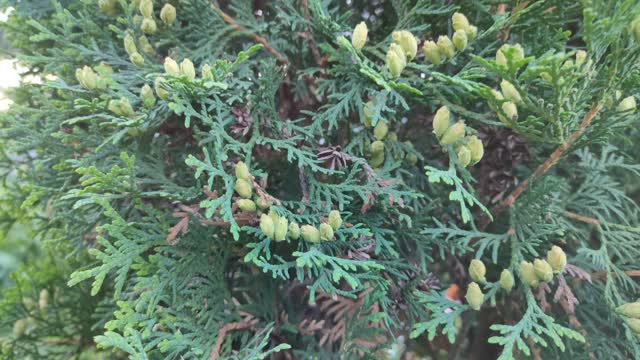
(464, 156)
(453, 134)
(367, 114)
(506, 280)
(171, 66)
(310, 233)
(267, 226)
(281, 228)
(543, 270)
(326, 232)
(247, 205)
(528, 274)
(377, 147)
(187, 69)
(396, 60)
(147, 97)
(557, 259)
(146, 8)
(136, 59)
(441, 121)
(477, 271)
(634, 324)
(630, 310)
(335, 220)
(43, 299)
(460, 40)
(294, 231)
(145, 45)
(162, 93)
(130, 44)
(511, 110)
(148, 26)
(407, 41)
(381, 130)
(168, 14)
(359, 35)
(242, 171)
(445, 46)
(476, 147)
(459, 21)
(243, 188)
(509, 91)
(474, 296)
(431, 52)
(627, 105)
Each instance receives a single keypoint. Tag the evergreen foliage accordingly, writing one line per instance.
(196, 179)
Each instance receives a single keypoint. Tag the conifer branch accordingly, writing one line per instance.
(231, 21)
(549, 163)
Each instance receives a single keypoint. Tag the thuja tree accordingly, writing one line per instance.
(322, 179)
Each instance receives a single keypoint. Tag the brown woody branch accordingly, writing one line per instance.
(549, 163)
(229, 20)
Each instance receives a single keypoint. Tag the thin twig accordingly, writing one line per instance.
(229, 20)
(549, 163)
(598, 223)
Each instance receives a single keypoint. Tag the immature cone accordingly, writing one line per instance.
(246, 205)
(634, 324)
(243, 188)
(206, 72)
(310, 233)
(168, 14)
(281, 228)
(396, 60)
(377, 160)
(19, 327)
(407, 41)
(546, 76)
(87, 78)
(630, 310)
(635, 29)
(145, 45)
(445, 46)
(557, 259)
(474, 296)
(506, 280)
(335, 220)
(377, 147)
(171, 66)
(242, 171)
(136, 59)
(477, 149)
(581, 56)
(472, 32)
(146, 8)
(326, 232)
(263, 203)
(543, 270)
(501, 59)
(464, 155)
(162, 93)
(148, 26)
(453, 134)
(121, 107)
(441, 121)
(627, 104)
(460, 40)
(109, 7)
(147, 97)
(431, 52)
(294, 231)
(130, 45)
(509, 91)
(459, 21)
(267, 226)
(477, 271)
(528, 274)
(187, 69)
(359, 35)
(367, 113)
(510, 109)
(381, 130)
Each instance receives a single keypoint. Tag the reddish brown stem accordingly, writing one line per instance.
(548, 164)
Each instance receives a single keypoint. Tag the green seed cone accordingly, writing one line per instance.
(359, 35)
(431, 52)
(477, 271)
(441, 121)
(381, 130)
(267, 226)
(148, 26)
(453, 133)
(171, 66)
(310, 233)
(246, 205)
(460, 40)
(506, 280)
(459, 21)
(147, 97)
(130, 44)
(510, 110)
(476, 147)
(630, 310)
(136, 59)
(396, 60)
(557, 259)
(146, 8)
(446, 47)
(367, 113)
(509, 91)
(168, 14)
(543, 270)
(294, 231)
(281, 228)
(528, 274)
(627, 105)
(162, 93)
(634, 324)
(242, 171)
(187, 69)
(464, 155)
(407, 41)
(335, 220)
(326, 232)
(474, 296)
(243, 188)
